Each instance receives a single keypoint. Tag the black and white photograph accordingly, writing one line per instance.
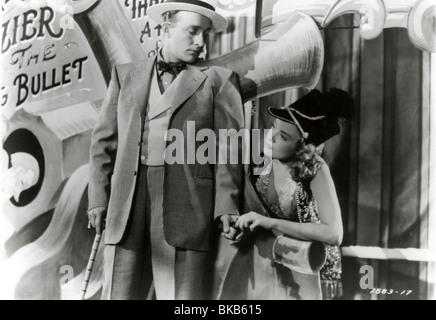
(240, 152)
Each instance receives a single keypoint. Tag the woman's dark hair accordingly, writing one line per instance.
(306, 162)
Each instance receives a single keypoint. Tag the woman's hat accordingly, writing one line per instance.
(318, 116)
(205, 8)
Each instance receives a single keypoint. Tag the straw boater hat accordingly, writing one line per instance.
(318, 115)
(205, 8)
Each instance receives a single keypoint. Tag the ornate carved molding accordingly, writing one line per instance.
(372, 12)
(80, 6)
(417, 16)
(422, 25)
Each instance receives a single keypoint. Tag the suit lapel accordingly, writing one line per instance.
(183, 87)
(140, 78)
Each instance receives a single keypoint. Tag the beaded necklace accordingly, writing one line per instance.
(307, 210)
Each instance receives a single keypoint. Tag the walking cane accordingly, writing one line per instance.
(90, 264)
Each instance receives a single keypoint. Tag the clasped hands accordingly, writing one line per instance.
(235, 228)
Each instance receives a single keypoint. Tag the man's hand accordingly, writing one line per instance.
(229, 230)
(97, 218)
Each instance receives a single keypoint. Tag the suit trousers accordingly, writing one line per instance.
(143, 265)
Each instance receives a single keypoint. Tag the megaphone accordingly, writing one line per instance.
(290, 56)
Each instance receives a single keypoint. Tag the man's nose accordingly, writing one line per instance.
(200, 40)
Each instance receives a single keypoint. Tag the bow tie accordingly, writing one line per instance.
(171, 66)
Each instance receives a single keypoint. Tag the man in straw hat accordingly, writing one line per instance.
(161, 217)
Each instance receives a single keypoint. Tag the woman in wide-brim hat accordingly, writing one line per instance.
(206, 8)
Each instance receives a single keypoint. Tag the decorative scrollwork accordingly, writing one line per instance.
(234, 4)
(80, 6)
(422, 25)
(373, 13)
(418, 16)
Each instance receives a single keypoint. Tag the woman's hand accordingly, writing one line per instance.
(253, 220)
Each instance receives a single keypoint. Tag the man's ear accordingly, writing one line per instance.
(166, 26)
